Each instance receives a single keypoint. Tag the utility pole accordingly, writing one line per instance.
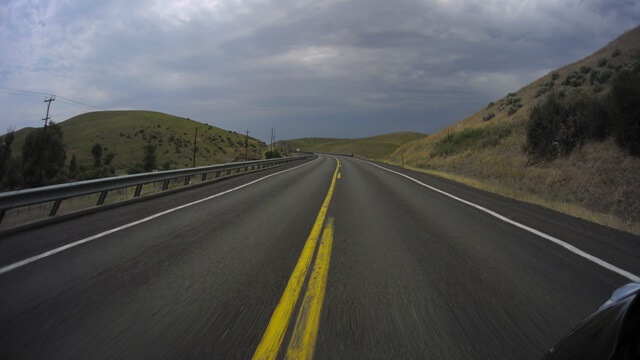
(195, 142)
(273, 137)
(48, 101)
(246, 146)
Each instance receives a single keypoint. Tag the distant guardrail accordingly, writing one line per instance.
(330, 153)
(57, 193)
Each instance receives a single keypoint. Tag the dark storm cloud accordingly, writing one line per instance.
(339, 68)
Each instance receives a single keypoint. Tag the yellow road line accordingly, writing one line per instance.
(305, 332)
(274, 334)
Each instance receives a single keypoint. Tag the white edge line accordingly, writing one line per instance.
(111, 231)
(554, 240)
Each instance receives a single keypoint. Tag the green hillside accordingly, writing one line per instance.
(124, 133)
(374, 147)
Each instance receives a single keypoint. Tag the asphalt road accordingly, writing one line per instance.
(409, 272)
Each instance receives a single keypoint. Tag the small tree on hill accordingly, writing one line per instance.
(73, 165)
(9, 170)
(626, 108)
(109, 158)
(96, 151)
(149, 160)
(43, 155)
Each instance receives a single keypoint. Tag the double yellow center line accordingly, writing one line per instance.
(305, 331)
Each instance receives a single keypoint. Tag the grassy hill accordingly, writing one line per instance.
(597, 181)
(124, 133)
(374, 147)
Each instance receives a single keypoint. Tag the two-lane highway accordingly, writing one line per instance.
(392, 269)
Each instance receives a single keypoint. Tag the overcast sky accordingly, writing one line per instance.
(307, 68)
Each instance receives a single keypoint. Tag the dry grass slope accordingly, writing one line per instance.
(598, 181)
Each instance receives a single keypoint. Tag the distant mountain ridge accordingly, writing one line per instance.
(373, 147)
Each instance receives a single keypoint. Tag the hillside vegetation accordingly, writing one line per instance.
(580, 164)
(374, 147)
(125, 134)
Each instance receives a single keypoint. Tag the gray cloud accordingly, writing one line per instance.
(307, 68)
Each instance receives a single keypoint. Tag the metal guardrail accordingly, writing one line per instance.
(331, 153)
(58, 193)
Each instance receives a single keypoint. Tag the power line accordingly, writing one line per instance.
(79, 103)
(34, 93)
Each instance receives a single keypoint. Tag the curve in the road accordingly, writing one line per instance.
(569, 247)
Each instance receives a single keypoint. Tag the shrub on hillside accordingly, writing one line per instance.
(489, 116)
(616, 53)
(482, 137)
(514, 108)
(272, 154)
(625, 93)
(545, 87)
(602, 62)
(574, 79)
(43, 156)
(558, 125)
(600, 76)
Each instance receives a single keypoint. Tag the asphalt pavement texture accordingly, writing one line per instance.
(413, 273)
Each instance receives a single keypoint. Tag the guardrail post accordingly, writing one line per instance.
(138, 191)
(246, 168)
(217, 174)
(2, 214)
(165, 185)
(238, 170)
(102, 198)
(204, 177)
(229, 172)
(253, 167)
(54, 209)
(187, 179)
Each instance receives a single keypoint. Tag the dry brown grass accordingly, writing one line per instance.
(597, 182)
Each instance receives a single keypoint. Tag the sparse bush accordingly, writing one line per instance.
(514, 108)
(558, 125)
(490, 105)
(109, 158)
(487, 117)
(512, 99)
(625, 93)
(574, 79)
(149, 159)
(482, 137)
(272, 154)
(96, 151)
(545, 87)
(602, 62)
(585, 69)
(604, 76)
(555, 75)
(616, 53)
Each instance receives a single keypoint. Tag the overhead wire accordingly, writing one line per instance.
(36, 93)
